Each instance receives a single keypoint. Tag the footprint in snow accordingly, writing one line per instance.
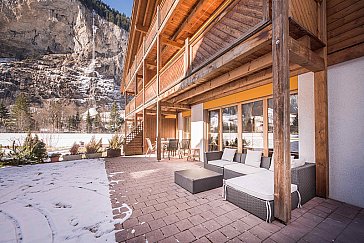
(62, 205)
(74, 221)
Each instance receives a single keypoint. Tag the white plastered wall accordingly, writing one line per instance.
(306, 115)
(346, 131)
(180, 122)
(197, 128)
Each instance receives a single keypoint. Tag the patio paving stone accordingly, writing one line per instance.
(165, 212)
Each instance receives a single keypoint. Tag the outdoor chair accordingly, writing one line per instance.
(184, 145)
(172, 147)
(150, 149)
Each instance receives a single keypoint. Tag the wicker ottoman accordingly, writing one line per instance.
(198, 180)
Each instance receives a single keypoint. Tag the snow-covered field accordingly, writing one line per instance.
(57, 202)
(57, 140)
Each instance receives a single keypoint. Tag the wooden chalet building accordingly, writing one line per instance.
(216, 71)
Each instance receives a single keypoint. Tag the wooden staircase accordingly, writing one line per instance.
(133, 144)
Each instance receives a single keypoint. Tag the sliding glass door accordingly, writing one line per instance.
(230, 127)
(214, 130)
(252, 119)
(294, 135)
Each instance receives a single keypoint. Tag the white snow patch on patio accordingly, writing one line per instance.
(57, 202)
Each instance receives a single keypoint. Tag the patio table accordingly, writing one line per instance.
(198, 180)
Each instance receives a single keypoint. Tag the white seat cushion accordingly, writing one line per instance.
(221, 163)
(253, 158)
(259, 185)
(244, 169)
(228, 154)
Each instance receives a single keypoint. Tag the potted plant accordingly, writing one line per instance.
(74, 155)
(93, 149)
(115, 144)
(55, 157)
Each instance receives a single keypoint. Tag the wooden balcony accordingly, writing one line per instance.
(238, 33)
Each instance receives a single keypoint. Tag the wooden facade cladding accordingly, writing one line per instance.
(345, 30)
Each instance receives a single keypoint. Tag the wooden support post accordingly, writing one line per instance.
(159, 110)
(144, 110)
(321, 114)
(125, 120)
(281, 104)
(159, 127)
(144, 130)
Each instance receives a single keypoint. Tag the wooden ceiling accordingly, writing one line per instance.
(187, 19)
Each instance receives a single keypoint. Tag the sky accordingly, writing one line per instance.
(124, 6)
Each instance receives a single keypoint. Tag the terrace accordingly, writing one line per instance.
(165, 212)
(191, 61)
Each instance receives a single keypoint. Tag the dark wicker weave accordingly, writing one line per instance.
(217, 169)
(228, 174)
(254, 205)
(198, 180)
(265, 162)
(305, 178)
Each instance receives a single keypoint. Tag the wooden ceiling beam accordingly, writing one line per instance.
(140, 28)
(255, 80)
(188, 20)
(176, 106)
(303, 56)
(244, 70)
(151, 65)
(164, 39)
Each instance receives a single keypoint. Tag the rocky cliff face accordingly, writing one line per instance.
(50, 46)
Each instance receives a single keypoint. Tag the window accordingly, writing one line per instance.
(293, 123)
(230, 127)
(213, 139)
(252, 119)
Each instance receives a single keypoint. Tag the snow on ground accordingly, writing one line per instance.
(58, 140)
(57, 202)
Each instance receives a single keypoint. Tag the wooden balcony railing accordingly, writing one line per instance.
(127, 109)
(139, 56)
(139, 99)
(132, 104)
(151, 90)
(172, 72)
(152, 32)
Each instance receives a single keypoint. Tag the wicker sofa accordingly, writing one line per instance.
(235, 168)
(303, 187)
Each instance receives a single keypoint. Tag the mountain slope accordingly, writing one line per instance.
(51, 46)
